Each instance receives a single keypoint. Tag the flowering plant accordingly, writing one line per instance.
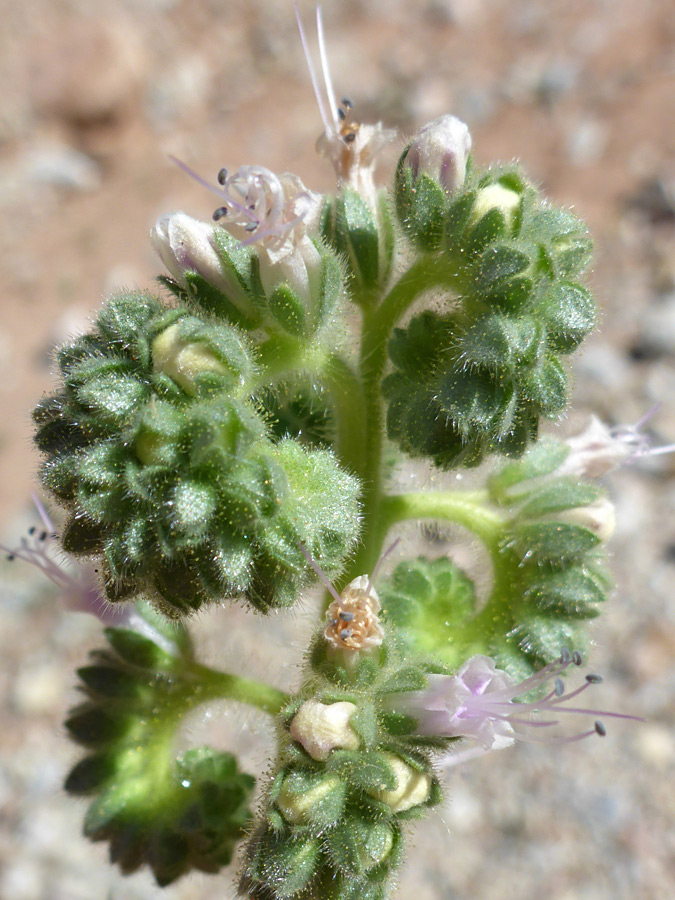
(235, 438)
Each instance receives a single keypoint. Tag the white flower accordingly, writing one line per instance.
(599, 449)
(275, 214)
(441, 149)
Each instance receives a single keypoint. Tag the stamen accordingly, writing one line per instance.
(378, 564)
(327, 124)
(222, 176)
(600, 729)
(322, 578)
(576, 658)
(325, 67)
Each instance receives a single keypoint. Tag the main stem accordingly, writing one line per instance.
(377, 325)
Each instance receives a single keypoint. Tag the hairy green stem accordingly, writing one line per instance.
(215, 685)
(377, 325)
(467, 508)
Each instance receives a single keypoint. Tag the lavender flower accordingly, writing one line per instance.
(77, 581)
(481, 702)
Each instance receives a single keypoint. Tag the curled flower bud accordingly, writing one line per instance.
(480, 702)
(441, 150)
(321, 728)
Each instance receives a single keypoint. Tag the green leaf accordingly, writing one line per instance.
(554, 543)
(363, 770)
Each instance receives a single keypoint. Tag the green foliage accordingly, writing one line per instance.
(549, 575)
(429, 602)
(171, 814)
(168, 470)
(477, 377)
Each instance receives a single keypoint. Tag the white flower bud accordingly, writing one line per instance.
(412, 787)
(185, 245)
(441, 149)
(321, 728)
(496, 196)
(599, 517)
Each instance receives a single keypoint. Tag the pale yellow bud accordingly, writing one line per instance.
(183, 360)
(322, 728)
(296, 806)
(412, 787)
(495, 196)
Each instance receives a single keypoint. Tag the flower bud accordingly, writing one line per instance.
(185, 245)
(307, 798)
(496, 196)
(412, 787)
(182, 359)
(441, 150)
(321, 728)
(599, 517)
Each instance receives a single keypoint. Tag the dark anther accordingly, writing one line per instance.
(559, 687)
(594, 679)
(600, 729)
(222, 176)
(10, 557)
(219, 213)
(347, 103)
(345, 633)
(350, 137)
(43, 536)
(565, 656)
(32, 530)
(251, 226)
(346, 616)
(341, 115)
(576, 658)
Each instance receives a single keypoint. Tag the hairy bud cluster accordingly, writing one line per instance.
(478, 377)
(173, 815)
(168, 470)
(350, 772)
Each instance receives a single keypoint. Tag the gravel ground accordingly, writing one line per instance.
(95, 95)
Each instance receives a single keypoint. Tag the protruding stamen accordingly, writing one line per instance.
(600, 729)
(222, 176)
(576, 658)
(328, 81)
(322, 578)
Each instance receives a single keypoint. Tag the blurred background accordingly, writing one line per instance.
(95, 95)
